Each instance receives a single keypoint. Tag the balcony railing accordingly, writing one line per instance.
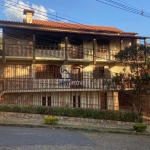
(50, 51)
(13, 84)
(18, 50)
(80, 53)
(102, 55)
(57, 52)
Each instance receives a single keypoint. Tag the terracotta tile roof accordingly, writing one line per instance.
(66, 27)
(78, 26)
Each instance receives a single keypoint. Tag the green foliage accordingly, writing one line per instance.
(5, 108)
(51, 120)
(139, 127)
(71, 112)
(135, 75)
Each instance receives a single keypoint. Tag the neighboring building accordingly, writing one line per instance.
(60, 64)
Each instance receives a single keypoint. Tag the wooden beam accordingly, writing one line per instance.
(34, 51)
(132, 42)
(145, 42)
(120, 44)
(66, 48)
(86, 99)
(94, 51)
(3, 47)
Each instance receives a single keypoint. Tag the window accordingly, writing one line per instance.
(76, 50)
(47, 72)
(49, 102)
(43, 101)
(98, 72)
(103, 45)
(102, 49)
(46, 101)
(76, 101)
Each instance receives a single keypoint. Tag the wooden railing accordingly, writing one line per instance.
(80, 53)
(41, 51)
(18, 50)
(12, 84)
(50, 51)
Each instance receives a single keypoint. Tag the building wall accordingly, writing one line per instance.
(87, 99)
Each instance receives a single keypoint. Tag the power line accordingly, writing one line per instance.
(78, 25)
(44, 13)
(128, 7)
(21, 11)
(125, 8)
(133, 6)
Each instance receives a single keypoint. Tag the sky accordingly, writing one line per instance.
(81, 11)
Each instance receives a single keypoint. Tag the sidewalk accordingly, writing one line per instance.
(124, 129)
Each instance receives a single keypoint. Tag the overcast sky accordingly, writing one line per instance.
(86, 11)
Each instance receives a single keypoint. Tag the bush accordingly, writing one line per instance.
(51, 120)
(139, 127)
(73, 112)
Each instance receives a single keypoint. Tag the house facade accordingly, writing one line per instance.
(45, 63)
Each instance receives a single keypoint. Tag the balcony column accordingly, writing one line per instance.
(145, 44)
(132, 42)
(120, 43)
(3, 47)
(112, 100)
(66, 48)
(94, 51)
(109, 53)
(34, 48)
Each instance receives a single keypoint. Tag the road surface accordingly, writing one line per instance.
(20, 138)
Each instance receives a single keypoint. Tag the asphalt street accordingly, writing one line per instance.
(20, 136)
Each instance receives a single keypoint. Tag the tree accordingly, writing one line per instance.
(136, 75)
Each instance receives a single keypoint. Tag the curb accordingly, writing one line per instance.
(100, 130)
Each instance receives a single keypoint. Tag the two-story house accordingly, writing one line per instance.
(60, 64)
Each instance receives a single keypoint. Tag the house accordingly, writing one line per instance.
(45, 63)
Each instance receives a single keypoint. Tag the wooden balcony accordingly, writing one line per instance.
(49, 52)
(80, 54)
(102, 55)
(12, 85)
(18, 51)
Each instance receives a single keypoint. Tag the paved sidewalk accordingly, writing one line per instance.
(110, 128)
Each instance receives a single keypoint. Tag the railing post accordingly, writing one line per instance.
(66, 48)
(34, 48)
(94, 51)
(3, 47)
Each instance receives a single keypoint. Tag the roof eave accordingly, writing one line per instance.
(20, 25)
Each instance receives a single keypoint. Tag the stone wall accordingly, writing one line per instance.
(39, 119)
